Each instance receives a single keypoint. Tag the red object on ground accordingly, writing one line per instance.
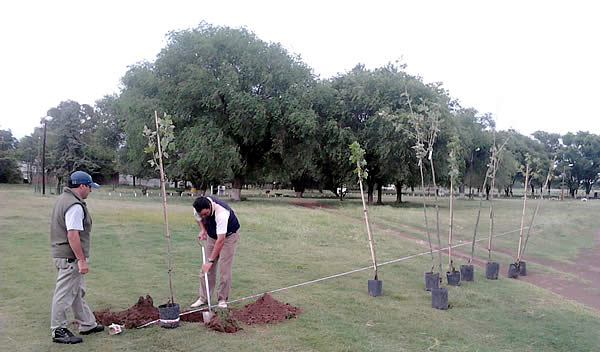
(140, 313)
(265, 310)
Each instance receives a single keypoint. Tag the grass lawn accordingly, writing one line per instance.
(281, 245)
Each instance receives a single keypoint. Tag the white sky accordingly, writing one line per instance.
(535, 65)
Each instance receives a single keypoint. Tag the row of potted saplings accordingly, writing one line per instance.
(425, 129)
(439, 297)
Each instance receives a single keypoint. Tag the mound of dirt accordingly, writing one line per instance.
(265, 310)
(140, 313)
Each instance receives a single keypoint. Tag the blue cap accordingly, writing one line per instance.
(82, 178)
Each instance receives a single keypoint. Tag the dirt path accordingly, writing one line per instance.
(582, 285)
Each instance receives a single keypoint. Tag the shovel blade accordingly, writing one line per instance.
(207, 316)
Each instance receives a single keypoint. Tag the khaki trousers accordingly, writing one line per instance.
(69, 293)
(224, 263)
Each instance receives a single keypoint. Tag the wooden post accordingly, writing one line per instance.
(44, 161)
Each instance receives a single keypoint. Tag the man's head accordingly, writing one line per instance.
(202, 206)
(81, 182)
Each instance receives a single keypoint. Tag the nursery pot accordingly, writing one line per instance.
(375, 288)
(513, 271)
(466, 272)
(453, 278)
(439, 298)
(523, 268)
(431, 280)
(169, 315)
(491, 271)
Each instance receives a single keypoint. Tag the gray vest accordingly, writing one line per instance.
(59, 244)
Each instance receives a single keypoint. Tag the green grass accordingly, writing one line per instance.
(282, 245)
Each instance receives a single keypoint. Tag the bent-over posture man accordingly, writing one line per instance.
(70, 229)
(219, 226)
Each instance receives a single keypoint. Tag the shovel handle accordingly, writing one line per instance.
(206, 280)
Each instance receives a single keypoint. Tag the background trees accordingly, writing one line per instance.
(248, 112)
(9, 168)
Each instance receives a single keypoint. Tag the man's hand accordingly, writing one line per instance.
(206, 267)
(202, 235)
(83, 267)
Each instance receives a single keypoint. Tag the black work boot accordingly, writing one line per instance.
(97, 328)
(63, 335)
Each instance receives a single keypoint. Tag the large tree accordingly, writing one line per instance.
(583, 157)
(250, 90)
(9, 168)
(71, 125)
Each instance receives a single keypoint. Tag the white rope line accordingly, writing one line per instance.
(338, 275)
(365, 268)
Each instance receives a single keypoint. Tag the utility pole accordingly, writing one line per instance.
(562, 185)
(44, 161)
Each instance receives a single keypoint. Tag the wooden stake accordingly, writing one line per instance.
(164, 199)
(362, 196)
(523, 214)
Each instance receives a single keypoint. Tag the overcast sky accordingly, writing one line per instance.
(535, 65)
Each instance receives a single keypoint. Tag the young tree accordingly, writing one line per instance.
(160, 143)
(358, 158)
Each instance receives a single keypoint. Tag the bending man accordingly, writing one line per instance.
(219, 226)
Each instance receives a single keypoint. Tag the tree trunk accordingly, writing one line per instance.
(58, 183)
(532, 190)
(461, 191)
(398, 192)
(236, 190)
(299, 188)
(379, 191)
(370, 188)
(133, 177)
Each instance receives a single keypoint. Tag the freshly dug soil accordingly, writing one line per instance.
(140, 313)
(265, 310)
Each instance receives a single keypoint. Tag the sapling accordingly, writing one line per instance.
(489, 174)
(426, 127)
(537, 208)
(358, 157)
(433, 129)
(527, 158)
(495, 159)
(160, 143)
(419, 135)
(453, 173)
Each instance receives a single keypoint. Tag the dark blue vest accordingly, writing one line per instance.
(210, 224)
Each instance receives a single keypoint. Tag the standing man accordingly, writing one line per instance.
(70, 245)
(219, 226)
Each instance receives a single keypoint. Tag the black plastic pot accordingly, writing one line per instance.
(453, 278)
(466, 272)
(439, 298)
(513, 271)
(169, 315)
(431, 280)
(523, 268)
(491, 271)
(375, 287)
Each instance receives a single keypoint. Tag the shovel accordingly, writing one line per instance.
(206, 316)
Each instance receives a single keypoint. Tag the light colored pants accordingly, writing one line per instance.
(224, 263)
(69, 293)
